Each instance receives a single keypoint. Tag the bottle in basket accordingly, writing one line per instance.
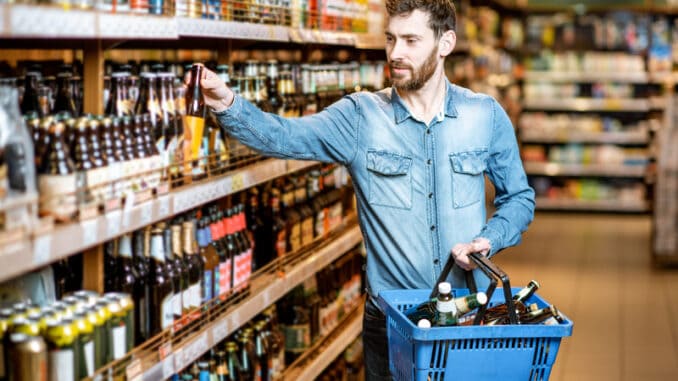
(499, 314)
(449, 309)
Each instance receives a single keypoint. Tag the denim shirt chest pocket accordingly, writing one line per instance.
(390, 179)
(468, 182)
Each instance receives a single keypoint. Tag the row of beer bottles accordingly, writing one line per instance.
(315, 308)
(66, 340)
(255, 352)
(175, 268)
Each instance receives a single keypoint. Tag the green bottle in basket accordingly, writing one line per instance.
(449, 309)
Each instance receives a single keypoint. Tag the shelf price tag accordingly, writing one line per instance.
(237, 182)
(90, 230)
(167, 358)
(134, 371)
(113, 222)
(42, 249)
(164, 206)
(220, 330)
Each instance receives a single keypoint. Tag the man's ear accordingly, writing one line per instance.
(447, 43)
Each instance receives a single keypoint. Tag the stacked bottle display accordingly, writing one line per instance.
(264, 347)
(88, 164)
(68, 339)
(177, 269)
(314, 309)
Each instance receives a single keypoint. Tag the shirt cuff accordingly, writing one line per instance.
(232, 112)
(494, 237)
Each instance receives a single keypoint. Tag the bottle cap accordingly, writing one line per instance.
(481, 297)
(424, 323)
(444, 288)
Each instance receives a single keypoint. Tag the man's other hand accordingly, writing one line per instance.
(461, 251)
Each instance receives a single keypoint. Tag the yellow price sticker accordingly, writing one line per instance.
(237, 182)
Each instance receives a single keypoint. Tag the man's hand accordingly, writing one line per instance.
(461, 251)
(218, 97)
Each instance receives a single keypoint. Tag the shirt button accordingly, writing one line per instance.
(436, 261)
(433, 227)
(429, 161)
(428, 131)
(430, 195)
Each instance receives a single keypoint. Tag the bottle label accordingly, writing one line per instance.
(297, 337)
(57, 195)
(176, 305)
(119, 341)
(295, 237)
(88, 354)
(216, 273)
(238, 276)
(207, 289)
(61, 362)
(225, 277)
(195, 295)
(307, 230)
(167, 312)
(280, 243)
(187, 298)
(193, 132)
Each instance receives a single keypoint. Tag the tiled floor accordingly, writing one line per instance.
(598, 270)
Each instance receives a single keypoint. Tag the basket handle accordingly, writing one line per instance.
(493, 272)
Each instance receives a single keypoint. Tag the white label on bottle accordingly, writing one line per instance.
(119, 337)
(186, 298)
(446, 306)
(167, 312)
(88, 350)
(61, 365)
(176, 304)
(195, 295)
(57, 194)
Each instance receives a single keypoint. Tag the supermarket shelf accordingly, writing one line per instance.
(637, 137)
(32, 21)
(589, 104)
(264, 292)
(602, 170)
(575, 76)
(64, 240)
(328, 350)
(50, 22)
(230, 29)
(639, 206)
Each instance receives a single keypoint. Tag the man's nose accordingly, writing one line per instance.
(397, 51)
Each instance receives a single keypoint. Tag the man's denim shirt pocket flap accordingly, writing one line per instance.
(470, 162)
(468, 182)
(387, 163)
(390, 179)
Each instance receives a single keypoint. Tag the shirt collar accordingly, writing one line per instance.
(402, 112)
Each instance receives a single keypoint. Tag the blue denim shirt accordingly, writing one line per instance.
(420, 187)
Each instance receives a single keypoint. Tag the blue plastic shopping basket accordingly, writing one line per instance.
(469, 353)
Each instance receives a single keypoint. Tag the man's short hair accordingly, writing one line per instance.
(442, 13)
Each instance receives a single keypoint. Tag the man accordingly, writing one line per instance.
(416, 152)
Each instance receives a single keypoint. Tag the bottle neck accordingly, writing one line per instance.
(176, 241)
(188, 238)
(157, 248)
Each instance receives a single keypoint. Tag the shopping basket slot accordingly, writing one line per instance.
(493, 272)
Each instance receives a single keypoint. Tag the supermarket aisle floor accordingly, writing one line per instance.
(597, 269)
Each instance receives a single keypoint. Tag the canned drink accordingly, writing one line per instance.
(155, 7)
(26, 326)
(61, 310)
(127, 305)
(62, 356)
(4, 325)
(72, 303)
(117, 334)
(88, 297)
(104, 315)
(98, 320)
(85, 345)
(20, 310)
(28, 356)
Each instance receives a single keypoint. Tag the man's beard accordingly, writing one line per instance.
(419, 76)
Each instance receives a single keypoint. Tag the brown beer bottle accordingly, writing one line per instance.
(194, 120)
